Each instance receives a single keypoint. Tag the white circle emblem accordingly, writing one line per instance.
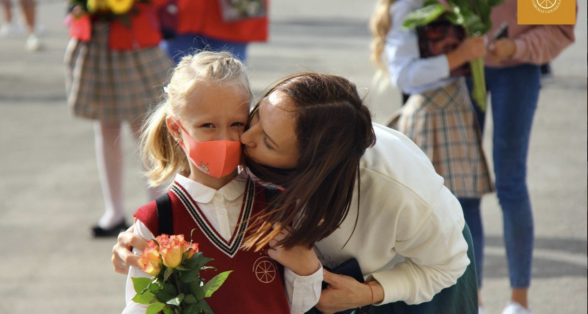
(546, 6)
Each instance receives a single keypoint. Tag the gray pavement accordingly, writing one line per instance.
(50, 193)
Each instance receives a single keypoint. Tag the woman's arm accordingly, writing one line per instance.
(303, 274)
(434, 249)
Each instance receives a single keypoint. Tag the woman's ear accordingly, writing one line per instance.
(174, 128)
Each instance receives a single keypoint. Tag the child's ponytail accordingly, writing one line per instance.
(162, 156)
(380, 24)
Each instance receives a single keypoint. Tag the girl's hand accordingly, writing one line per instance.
(345, 293)
(470, 49)
(299, 259)
(122, 257)
(502, 49)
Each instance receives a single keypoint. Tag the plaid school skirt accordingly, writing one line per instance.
(113, 86)
(443, 124)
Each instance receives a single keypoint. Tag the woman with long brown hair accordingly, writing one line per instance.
(312, 136)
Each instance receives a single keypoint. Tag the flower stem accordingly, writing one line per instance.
(479, 89)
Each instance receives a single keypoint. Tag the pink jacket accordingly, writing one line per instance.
(537, 44)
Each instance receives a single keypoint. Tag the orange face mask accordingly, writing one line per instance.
(215, 158)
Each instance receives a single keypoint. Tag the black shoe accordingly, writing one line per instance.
(99, 232)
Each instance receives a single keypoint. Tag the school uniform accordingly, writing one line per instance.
(118, 74)
(219, 220)
(438, 116)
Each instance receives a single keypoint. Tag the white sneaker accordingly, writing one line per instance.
(481, 310)
(11, 30)
(515, 308)
(33, 43)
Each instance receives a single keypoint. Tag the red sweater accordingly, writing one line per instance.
(204, 17)
(256, 284)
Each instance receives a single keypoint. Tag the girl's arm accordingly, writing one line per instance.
(141, 230)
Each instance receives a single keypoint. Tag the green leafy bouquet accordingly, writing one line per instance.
(473, 16)
(176, 286)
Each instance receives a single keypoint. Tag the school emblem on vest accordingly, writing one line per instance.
(265, 269)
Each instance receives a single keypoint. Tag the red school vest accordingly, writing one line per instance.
(256, 284)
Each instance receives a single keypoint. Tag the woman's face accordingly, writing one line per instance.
(271, 138)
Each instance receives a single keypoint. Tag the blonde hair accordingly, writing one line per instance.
(380, 24)
(162, 156)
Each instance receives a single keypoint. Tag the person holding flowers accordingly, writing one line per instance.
(193, 137)
(438, 116)
(114, 71)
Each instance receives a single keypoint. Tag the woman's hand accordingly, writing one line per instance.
(470, 49)
(299, 259)
(122, 257)
(344, 293)
(502, 49)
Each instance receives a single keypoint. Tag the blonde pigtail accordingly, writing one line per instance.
(380, 24)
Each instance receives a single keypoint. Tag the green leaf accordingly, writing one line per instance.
(145, 298)
(169, 289)
(177, 300)
(167, 310)
(155, 308)
(192, 309)
(213, 284)
(423, 16)
(205, 307)
(190, 299)
(197, 261)
(168, 272)
(163, 297)
(197, 290)
(141, 283)
(190, 276)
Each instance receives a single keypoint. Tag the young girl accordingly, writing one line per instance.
(438, 116)
(194, 135)
(112, 70)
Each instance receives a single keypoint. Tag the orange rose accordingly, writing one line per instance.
(150, 260)
(172, 250)
(192, 249)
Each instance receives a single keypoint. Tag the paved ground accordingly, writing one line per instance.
(50, 194)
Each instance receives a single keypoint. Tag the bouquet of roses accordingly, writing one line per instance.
(176, 286)
(105, 9)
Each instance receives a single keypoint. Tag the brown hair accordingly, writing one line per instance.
(334, 128)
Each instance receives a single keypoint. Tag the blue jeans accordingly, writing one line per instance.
(185, 44)
(471, 213)
(514, 92)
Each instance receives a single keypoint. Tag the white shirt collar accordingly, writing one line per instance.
(204, 194)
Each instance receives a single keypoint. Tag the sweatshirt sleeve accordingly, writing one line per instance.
(407, 70)
(434, 249)
(543, 43)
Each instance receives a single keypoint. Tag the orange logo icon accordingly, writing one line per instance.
(546, 12)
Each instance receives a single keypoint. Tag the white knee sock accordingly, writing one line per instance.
(109, 154)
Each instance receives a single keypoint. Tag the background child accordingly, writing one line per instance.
(112, 78)
(194, 135)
